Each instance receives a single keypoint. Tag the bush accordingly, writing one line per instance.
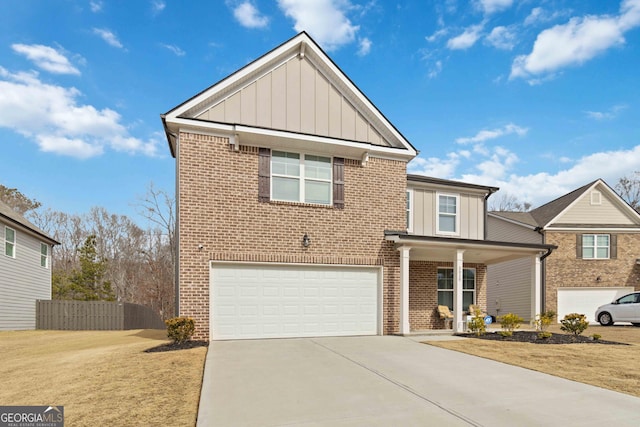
(510, 322)
(574, 323)
(506, 333)
(544, 335)
(476, 324)
(180, 329)
(544, 320)
(596, 337)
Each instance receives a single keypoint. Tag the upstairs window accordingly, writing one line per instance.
(44, 255)
(595, 246)
(448, 219)
(301, 178)
(10, 242)
(409, 213)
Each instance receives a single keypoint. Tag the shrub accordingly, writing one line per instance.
(544, 335)
(596, 337)
(544, 320)
(476, 324)
(506, 333)
(510, 322)
(574, 323)
(180, 329)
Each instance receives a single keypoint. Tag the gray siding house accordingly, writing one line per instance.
(25, 269)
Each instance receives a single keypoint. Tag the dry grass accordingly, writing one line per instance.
(102, 377)
(609, 366)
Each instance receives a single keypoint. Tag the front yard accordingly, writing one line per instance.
(102, 377)
(614, 367)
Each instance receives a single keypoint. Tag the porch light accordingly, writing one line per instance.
(306, 240)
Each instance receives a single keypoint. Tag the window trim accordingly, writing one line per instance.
(409, 209)
(12, 243)
(596, 198)
(302, 179)
(456, 232)
(45, 255)
(595, 246)
(473, 291)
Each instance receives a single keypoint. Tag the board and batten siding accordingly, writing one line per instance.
(471, 213)
(295, 97)
(509, 287)
(22, 281)
(583, 212)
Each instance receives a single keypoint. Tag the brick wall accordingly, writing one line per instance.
(423, 292)
(219, 209)
(563, 269)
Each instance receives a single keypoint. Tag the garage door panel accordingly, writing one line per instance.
(293, 301)
(587, 300)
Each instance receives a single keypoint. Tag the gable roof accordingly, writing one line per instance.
(547, 212)
(13, 217)
(370, 132)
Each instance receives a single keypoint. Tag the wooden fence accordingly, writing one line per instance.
(95, 316)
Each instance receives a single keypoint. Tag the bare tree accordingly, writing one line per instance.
(628, 187)
(508, 203)
(17, 201)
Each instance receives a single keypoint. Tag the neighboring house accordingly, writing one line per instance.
(25, 269)
(598, 238)
(296, 216)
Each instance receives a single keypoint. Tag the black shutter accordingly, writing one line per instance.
(338, 183)
(264, 175)
(613, 246)
(579, 246)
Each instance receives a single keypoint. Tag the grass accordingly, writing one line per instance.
(608, 366)
(102, 377)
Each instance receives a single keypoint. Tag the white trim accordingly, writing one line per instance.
(47, 255)
(475, 283)
(595, 246)
(302, 178)
(457, 214)
(405, 326)
(410, 199)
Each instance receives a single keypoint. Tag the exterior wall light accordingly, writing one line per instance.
(306, 240)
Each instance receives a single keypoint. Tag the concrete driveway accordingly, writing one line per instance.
(390, 381)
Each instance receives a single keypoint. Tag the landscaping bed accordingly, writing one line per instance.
(172, 346)
(532, 337)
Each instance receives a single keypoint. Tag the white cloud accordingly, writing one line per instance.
(325, 20)
(612, 113)
(435, 69)
(46, 58)
(492, 6)
(249, 16)
(435, 167)
(365, 47)
(576, 42)
(96, 6)
(485, 135)
(502, 38)
(437, 35)
(175, 49)
(51, 116)
(467, 39)
(108, 37)
(157, 6)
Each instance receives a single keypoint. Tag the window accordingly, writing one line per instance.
(300, 178)
(595, 246)
(445, 287)
(10, 242)
(44, 255)
(448, 219)
(409, 213)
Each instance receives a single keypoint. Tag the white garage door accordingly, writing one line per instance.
(282, 301)
(587, 300)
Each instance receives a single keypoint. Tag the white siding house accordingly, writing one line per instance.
(25, 269)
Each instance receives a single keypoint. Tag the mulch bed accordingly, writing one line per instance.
(532, 337)
(177, 346)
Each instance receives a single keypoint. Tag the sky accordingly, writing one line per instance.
(535, 97)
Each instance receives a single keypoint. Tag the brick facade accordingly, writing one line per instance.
(219, 209)
(423, 292)
(564, 269)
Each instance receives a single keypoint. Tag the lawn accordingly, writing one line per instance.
(102, 377)
(614, 367)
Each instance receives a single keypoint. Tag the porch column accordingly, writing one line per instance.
(536, 289)
(457, 292)
(404, 289)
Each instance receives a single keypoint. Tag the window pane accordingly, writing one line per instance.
(44, 249)
(317, 167)
(286, 189)
(587, 252)
(317, 192)
(285, 163)
(588, 240)
(10, 235)
(603, 240)
(8, 249)
(467, 299)
(445, 278)
(447, 204)
(445, 298)
(447, 223)
(603, 253)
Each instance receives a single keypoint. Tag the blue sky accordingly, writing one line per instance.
(535, 97)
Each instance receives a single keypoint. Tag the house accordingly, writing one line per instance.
(296, 216)
(598, 240)
(25, 269)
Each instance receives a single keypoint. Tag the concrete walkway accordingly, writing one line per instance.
(390, 381)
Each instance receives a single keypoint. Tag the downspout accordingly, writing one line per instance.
(486, 212)
(543, 273)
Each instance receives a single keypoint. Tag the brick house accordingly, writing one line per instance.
(296, 214)
(597, 235)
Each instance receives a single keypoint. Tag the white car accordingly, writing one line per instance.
(624, 309)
